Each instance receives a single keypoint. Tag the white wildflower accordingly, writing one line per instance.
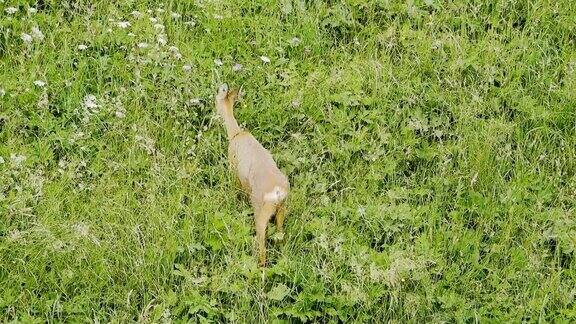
(175, 51)
(159, 26)
(37, 33)
(77, 136)
(162, 39)
(376, 274)
(131, 34)
(295, 41)
(36, 182)
(195, 101)
(175, 15)
(81, 229)
(295, 103)
(219, 17)
(146, 143)
(237, 67)
(90, 102)
(14, 235)
(43, 100)
(32, 10)
(124, 24)
(136, 14)
(160, 10)
(17, 159)
(120, 114)
(58, 245)
(297, 136)
(2, 92)
(39, 83)
(11, 10)
(142, 45)
(474, 179)
(190, 23)
(26, 38)
(153, 20)
(82, 47)
(265, 59)
(187, 68)
(218, 62)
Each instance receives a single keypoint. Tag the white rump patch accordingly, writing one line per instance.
(276, 195)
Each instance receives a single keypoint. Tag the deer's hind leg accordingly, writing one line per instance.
(263, 215)
(280, 216)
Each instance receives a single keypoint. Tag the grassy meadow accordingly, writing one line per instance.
(430, 146)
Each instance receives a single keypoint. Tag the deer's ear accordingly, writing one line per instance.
(222, 92)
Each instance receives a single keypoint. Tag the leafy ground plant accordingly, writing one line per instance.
(430, 145)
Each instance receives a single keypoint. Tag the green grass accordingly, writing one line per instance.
(430, 146)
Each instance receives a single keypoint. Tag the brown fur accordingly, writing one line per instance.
(259, 176)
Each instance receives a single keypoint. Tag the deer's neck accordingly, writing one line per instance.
(231, 125)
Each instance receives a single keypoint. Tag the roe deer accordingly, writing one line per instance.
(259, 176)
